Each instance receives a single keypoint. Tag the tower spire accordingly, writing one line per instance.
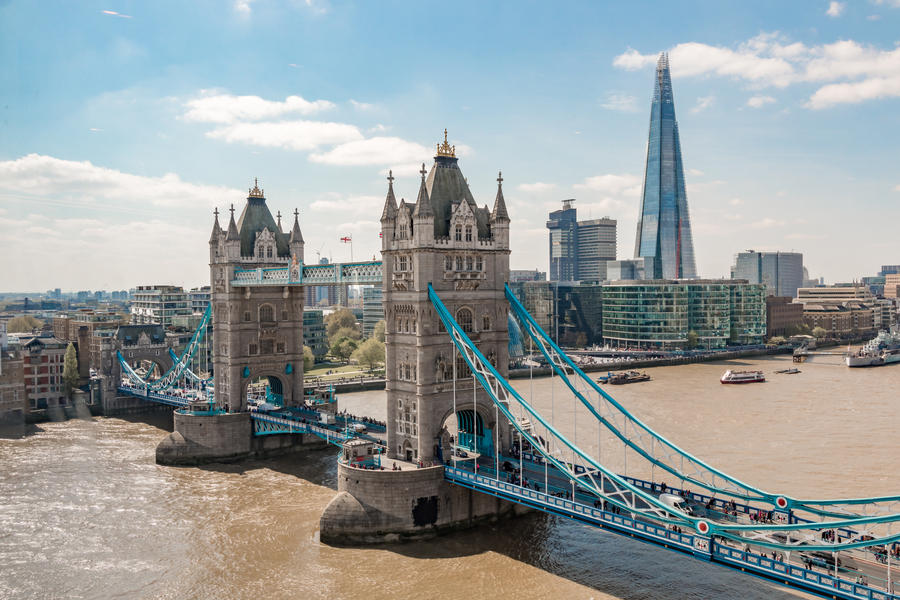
(217, 229)
(390, 201)
(296, 236)
(499, 212)
(232, 228)
(423, 203)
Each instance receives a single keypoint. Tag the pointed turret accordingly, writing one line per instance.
(296, 241)
(390, 202)
(216, 230)
(232, 229)
(499, 213)
(423, 203)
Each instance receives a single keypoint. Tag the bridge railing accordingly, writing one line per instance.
(328, 274)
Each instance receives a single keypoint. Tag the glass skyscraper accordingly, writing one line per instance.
(664, 227)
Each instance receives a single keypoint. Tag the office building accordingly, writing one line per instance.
(891, 285)
(629, 268)
(580, 250)
(314, 333)
(781, 272)
(199, 299)
(43, 369)
(526, 275)
(784, 317)
(571, 313)
(159, 304)
(373, 310)
(889, 270)
(670, 314)
(664, 225)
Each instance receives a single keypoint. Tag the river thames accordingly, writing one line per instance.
(86, 513)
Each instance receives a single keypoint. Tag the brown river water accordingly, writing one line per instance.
(86, 513)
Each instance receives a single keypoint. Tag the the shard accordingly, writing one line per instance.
(664, 227)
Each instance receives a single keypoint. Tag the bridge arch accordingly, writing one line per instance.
(265, 386)
(471, 429)
(156, 355)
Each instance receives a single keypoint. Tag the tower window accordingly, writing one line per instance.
(269, 252)
(464, 318)
(468, 234)
(266, 314)
(459, 233)
(468, 263)
(459, 263)
(486, 323)
(479, 264)
(448, 264)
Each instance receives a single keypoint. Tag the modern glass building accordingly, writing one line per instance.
(782, 272)
(664, 226)
(668, 315)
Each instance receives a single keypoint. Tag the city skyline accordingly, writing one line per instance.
(100, 173)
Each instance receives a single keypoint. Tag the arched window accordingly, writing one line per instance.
(448, 264)
(266, 314)
(464, 318)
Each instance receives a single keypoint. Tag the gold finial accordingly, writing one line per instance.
(446, 149)
(256, 192)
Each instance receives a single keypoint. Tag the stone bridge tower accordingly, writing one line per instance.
(257, 330)
(445, 239)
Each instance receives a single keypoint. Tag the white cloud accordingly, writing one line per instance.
(113, 13)
(766, 223)
(243, 6)
(835, 9)
(735, 202)
(357, 205)
(225, 108)
(363, 106)
(695, 172)
(374, 151)
(290, 135)
(620, 102)
(74, 183)
(535, 188)
(625, 185)
(703, 102)
(849, 72)
(759, 101)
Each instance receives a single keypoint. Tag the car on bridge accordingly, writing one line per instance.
(677, 502)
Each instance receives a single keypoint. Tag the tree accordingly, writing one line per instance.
(819, 332)
(378, 332)
(777, 340)
(343, 348)
(692, 339)
(338, 320)
(308, 358)
(70, 369)
(370, 353)
(351, 333)
(24, 324)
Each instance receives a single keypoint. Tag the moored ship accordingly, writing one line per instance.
(884, 349)
(743, 377)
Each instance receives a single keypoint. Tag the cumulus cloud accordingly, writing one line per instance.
(835, 9)
(536, 187)
(625, 185)
(290, 135)
(113, 13)
(703, 102)
(759, 101)
(620, 102)
(379, 150)
(81, 182)
(225, 108)
(848, 71)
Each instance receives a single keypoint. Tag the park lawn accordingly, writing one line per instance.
(320, 370)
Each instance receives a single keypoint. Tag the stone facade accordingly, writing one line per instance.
(446, 240)
(258, 330)
(13, 400)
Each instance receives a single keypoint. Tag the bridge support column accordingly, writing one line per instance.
(204, 438)
(388, 506)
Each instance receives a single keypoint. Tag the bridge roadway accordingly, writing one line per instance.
(797, 570)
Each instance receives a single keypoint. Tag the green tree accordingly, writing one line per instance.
(819, 332)
(338, 320)
(70, 369)
(351, 333)
(24, 324)
(343, 348)
(777, 340)
(378, 332)
(692, 339)
(370, 353)
(308, 358)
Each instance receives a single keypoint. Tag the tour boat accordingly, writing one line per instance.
(743, 377)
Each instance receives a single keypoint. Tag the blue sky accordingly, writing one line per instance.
(123, 124)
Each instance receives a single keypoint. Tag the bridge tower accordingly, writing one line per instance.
(462, 250)
(444, 239)
(258, 330)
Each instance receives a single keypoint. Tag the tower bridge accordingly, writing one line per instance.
(461, 445)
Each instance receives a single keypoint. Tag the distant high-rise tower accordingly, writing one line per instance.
(664, 227)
